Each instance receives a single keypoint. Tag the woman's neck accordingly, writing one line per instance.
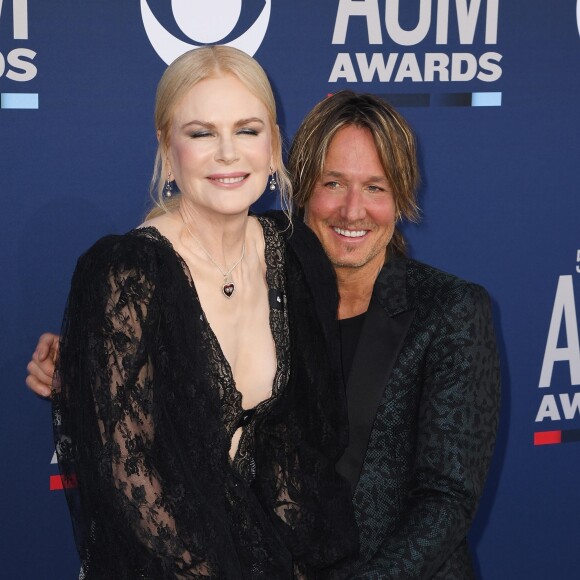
(221, 236)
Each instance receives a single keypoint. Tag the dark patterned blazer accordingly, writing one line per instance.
(423, 396)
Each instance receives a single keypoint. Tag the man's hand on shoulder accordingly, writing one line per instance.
(41, 366)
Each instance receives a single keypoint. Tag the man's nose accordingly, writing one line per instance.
(353, 208)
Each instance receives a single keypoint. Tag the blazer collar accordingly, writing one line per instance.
(384, 330)
(391, 285)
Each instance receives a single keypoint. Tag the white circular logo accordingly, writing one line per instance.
(204, 22)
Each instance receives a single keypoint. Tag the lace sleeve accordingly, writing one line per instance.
(124, 513)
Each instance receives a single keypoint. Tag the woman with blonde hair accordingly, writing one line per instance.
(198, 406)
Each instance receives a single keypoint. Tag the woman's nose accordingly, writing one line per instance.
(226, 151)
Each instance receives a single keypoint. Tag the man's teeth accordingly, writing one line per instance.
(230, 179)
(350, 233)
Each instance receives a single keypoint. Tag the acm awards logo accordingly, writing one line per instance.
(422, 25)
(16, 60)
(561, 365)
(203, 23)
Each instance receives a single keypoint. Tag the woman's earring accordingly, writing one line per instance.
(272, 181)
(168, 186)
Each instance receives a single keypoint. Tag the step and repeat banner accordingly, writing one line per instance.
(492, 88)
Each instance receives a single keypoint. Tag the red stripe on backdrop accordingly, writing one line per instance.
(58, 482)
(547, 437)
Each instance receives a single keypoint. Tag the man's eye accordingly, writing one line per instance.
(374, 189)
(332, 184)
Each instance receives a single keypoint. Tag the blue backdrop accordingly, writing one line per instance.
(492, 89)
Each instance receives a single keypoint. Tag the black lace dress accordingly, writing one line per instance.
(146, 408)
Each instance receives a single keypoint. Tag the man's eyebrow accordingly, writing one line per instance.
(334, 173)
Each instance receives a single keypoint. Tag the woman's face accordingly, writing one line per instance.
(220, 147)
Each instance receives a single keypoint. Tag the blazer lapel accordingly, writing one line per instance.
(385, 327)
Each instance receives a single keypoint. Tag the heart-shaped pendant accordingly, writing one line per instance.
(228, 289)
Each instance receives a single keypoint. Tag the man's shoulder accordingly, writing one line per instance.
(288, 227)
(298, 237)
(425, 282)
(419, 273)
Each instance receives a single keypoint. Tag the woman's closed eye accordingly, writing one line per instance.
(248, 131)
(200, 134)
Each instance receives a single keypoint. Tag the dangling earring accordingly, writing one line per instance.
(168, 187)
(272, 180)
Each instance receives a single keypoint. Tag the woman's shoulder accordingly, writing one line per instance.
(139, 249)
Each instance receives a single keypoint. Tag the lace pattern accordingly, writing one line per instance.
(275, 279)
(144, 417)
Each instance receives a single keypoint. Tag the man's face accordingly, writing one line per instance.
(352, 208)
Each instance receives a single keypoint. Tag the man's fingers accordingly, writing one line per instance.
(46, 342)
(37, 387)
(41, 371)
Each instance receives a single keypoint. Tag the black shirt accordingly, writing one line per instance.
(350, 329)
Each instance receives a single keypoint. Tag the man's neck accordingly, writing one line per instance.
(355, 287)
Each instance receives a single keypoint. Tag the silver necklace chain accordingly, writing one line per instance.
(228, 287)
